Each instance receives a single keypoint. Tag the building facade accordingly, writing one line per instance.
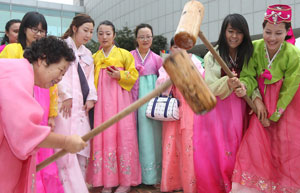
(164, 15)
(58, 16)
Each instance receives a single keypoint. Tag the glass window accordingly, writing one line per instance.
(17, 15)
(1, 36)
(5, 16)
(49, 12)
(23, 9)
(68, 14)
(65, 24)
(5, 7)
(54, 25)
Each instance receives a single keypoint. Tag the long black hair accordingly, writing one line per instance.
(245, 49)
(30, 19)
(7, 26)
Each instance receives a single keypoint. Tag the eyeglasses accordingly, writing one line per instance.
(145, 38)
(36, 30)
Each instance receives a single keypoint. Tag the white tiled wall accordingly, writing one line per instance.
(235, 6)
(164, 15)
(246, 7)
(257, 17)
(223, 8)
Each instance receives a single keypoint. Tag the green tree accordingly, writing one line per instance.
(125, 39)
(159, 43)
(93, 46)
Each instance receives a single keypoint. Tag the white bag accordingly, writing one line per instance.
(163, 108)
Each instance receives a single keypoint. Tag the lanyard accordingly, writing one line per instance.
(270, 61)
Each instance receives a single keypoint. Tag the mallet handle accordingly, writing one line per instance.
(131, 108)
(224, 67)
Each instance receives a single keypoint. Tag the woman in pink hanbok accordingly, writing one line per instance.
(20, 114)
(32, 28)
(114, 159)
(76, 96)
(149, 130)
(177, 139)
(268, 160)
(218, 134)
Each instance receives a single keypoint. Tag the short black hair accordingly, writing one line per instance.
(109, 23)
(172, 42)
(50, 48)
(30, 19)
(140, 26)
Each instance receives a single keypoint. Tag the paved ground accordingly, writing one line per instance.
(138, 189)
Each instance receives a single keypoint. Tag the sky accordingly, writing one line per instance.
(70, 2)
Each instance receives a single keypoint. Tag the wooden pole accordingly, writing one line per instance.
(224, 67)
(131, 108)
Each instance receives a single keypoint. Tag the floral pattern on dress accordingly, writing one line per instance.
(109, 160)
(262, 184)
(33, 183)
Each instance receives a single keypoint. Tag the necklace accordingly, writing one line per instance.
(270, 61)
(233, 62)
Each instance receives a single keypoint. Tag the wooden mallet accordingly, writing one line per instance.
(189, 28)
(185, 76)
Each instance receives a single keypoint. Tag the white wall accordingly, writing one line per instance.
(164, 15)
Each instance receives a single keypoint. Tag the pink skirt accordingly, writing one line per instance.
(217, 136)
(178, 163)
(269, 158)
(47, 180)
(114, 156)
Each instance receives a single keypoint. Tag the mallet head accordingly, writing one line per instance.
(189, 25)
(188, 80)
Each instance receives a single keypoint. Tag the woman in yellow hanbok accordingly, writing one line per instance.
(114, 159)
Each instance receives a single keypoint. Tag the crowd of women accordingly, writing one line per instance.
(53, 90)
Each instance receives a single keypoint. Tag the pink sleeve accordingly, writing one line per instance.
(159, 62)
(198, 64)
(20, 114)
(163, 77)
(90, 78)
(65, 86)
(2, 47)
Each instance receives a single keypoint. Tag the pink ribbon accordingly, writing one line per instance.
(292, 40)
(140, 68)
(267, 74)
(261, 79)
